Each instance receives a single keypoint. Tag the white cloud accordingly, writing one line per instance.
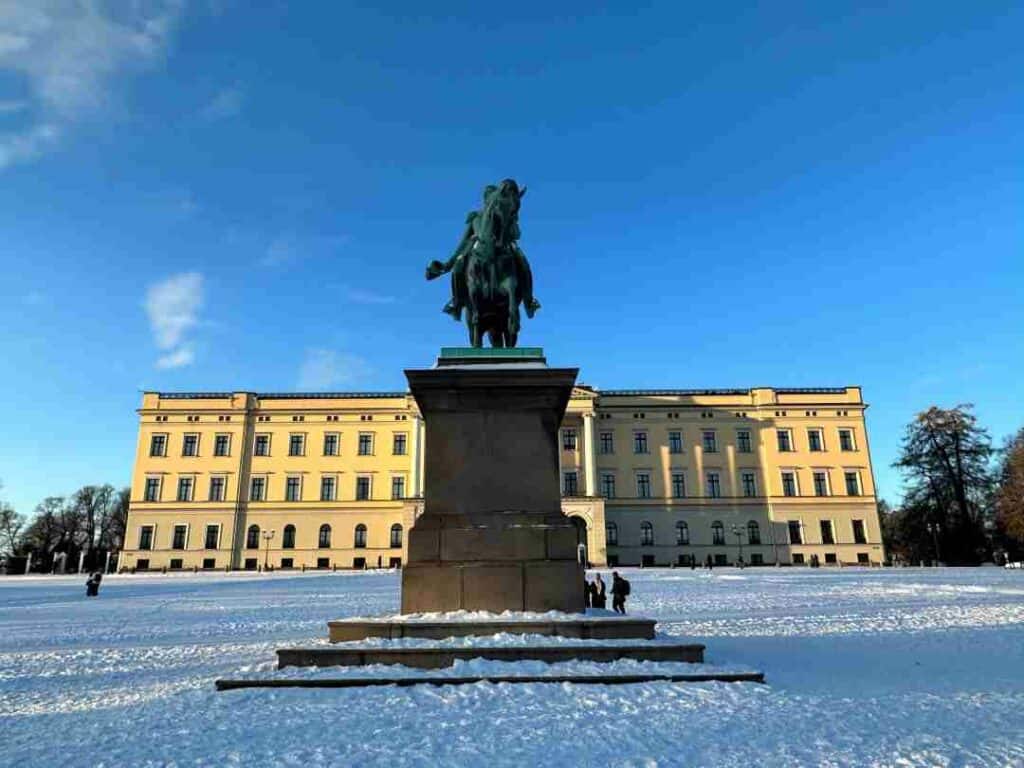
(68, 52)
(227, 103)
(360, 296)
(177, 358)
(288, 248)
(173, 307)
(326, 369)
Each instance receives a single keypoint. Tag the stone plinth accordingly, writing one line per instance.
(492, 536)
(618, 628)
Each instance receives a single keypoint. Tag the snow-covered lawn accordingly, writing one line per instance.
(864, 667)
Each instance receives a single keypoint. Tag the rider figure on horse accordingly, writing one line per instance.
(471, 235)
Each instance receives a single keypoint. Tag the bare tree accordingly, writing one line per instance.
(11, 524)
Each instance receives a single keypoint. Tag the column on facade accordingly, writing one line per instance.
(421, 432)
(417, 449)
(589, 459)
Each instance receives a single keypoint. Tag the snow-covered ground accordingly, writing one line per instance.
(864, 667)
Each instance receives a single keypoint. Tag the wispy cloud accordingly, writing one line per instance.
(327, 368)
(173, 307)
(68, 53)
(227, 103)
(362, 296)
(289, 248)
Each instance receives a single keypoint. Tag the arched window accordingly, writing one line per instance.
(252, 537)
(682, 533)
(611, 534)
(646, 534)
(396, 535)
(753, 532)
(288, 537)
(324, 541)
(717, 532)
(360, 541)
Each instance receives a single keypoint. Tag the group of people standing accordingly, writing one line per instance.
(595, 596)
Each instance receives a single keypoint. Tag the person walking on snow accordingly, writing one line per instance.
(598, 597)
(620, 590)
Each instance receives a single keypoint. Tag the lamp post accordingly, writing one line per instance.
(267, 536)
(738, 532)
(933, 529)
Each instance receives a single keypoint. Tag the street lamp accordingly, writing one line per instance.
(738, 532)
(267, 536)
(933, 529)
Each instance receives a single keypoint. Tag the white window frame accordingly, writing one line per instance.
(856, 473)
(821, 439)
(714, 440)
(853, 439)
(708, 473)
(152, 537)
(287, 478)
(369, 479)
(373, 444)
(750, 440)
(222, 476)
(220, 532)
(270, 441)
(828, 481)
(334, 486)
(636, 484)
(217, 437)
(337, 443)
(159, 488)
(788, 432)
(188, 531)
(291, 436)
(266, 487)
(783, 471)
(198, 438)
(743, 485)
(405, 486)
(167, 441)
(575, 474)
(191, 488)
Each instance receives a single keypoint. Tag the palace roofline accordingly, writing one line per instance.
(596, 390)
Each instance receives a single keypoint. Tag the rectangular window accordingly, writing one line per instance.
(863, 559)
(846, 440)
(643, 485)
(568, 439)
(712, 485)
(362, 488)
(287, 562)
(756, 558)
(675, 442)
(820, 483)
(788, 484)
(258, 489)
(785, 439)
(570, 484)
(826, 532)
(398, 488)
(678, 485)
(331, 444)
(176, 564)
(152, 492)
(293, 489)
(222, 445)
(217, 488)
(178, 540)
(158, 445)
(814, 440)
(852, 483)
(607, 443)
(398, 449)
(146, 537)
(212, 534)
(717, 534)
(190, 445)
(296, 445)
(262, 445)
(185, 489)
(830, 558)
(798, 558)
(858, 532)
(682, 534)
(749, 484)
(743, 441)
(647, 536)
(608, 485)
(639, 442)
(327, 489)
(710, 441)
(796, 532)
(365, 443)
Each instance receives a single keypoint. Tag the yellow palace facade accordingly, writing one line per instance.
(244, 480)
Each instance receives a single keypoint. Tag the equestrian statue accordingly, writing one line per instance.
(490, 274)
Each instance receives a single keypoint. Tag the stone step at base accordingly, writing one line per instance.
(438, 657)
(625, 628)
(406, 682)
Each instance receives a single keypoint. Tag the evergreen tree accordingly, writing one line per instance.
(945, 456)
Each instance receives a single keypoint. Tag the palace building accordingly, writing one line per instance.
(245, 480)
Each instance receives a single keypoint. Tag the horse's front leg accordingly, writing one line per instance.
(512, 329)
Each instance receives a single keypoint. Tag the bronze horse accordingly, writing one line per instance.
(490, 274)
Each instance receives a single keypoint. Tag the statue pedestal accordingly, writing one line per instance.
(492, 536)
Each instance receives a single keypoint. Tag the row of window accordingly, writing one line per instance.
(258, 488)
(261, 444)
(822, 485)
(750, 534)
(709, 441)
(254, 538)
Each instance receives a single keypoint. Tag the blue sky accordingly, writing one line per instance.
(218, 195)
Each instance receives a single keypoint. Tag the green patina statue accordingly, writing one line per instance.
(490, 274)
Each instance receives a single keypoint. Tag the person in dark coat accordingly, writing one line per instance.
(620, 589)
(598, 596)
(92, 586)
(588, 593)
